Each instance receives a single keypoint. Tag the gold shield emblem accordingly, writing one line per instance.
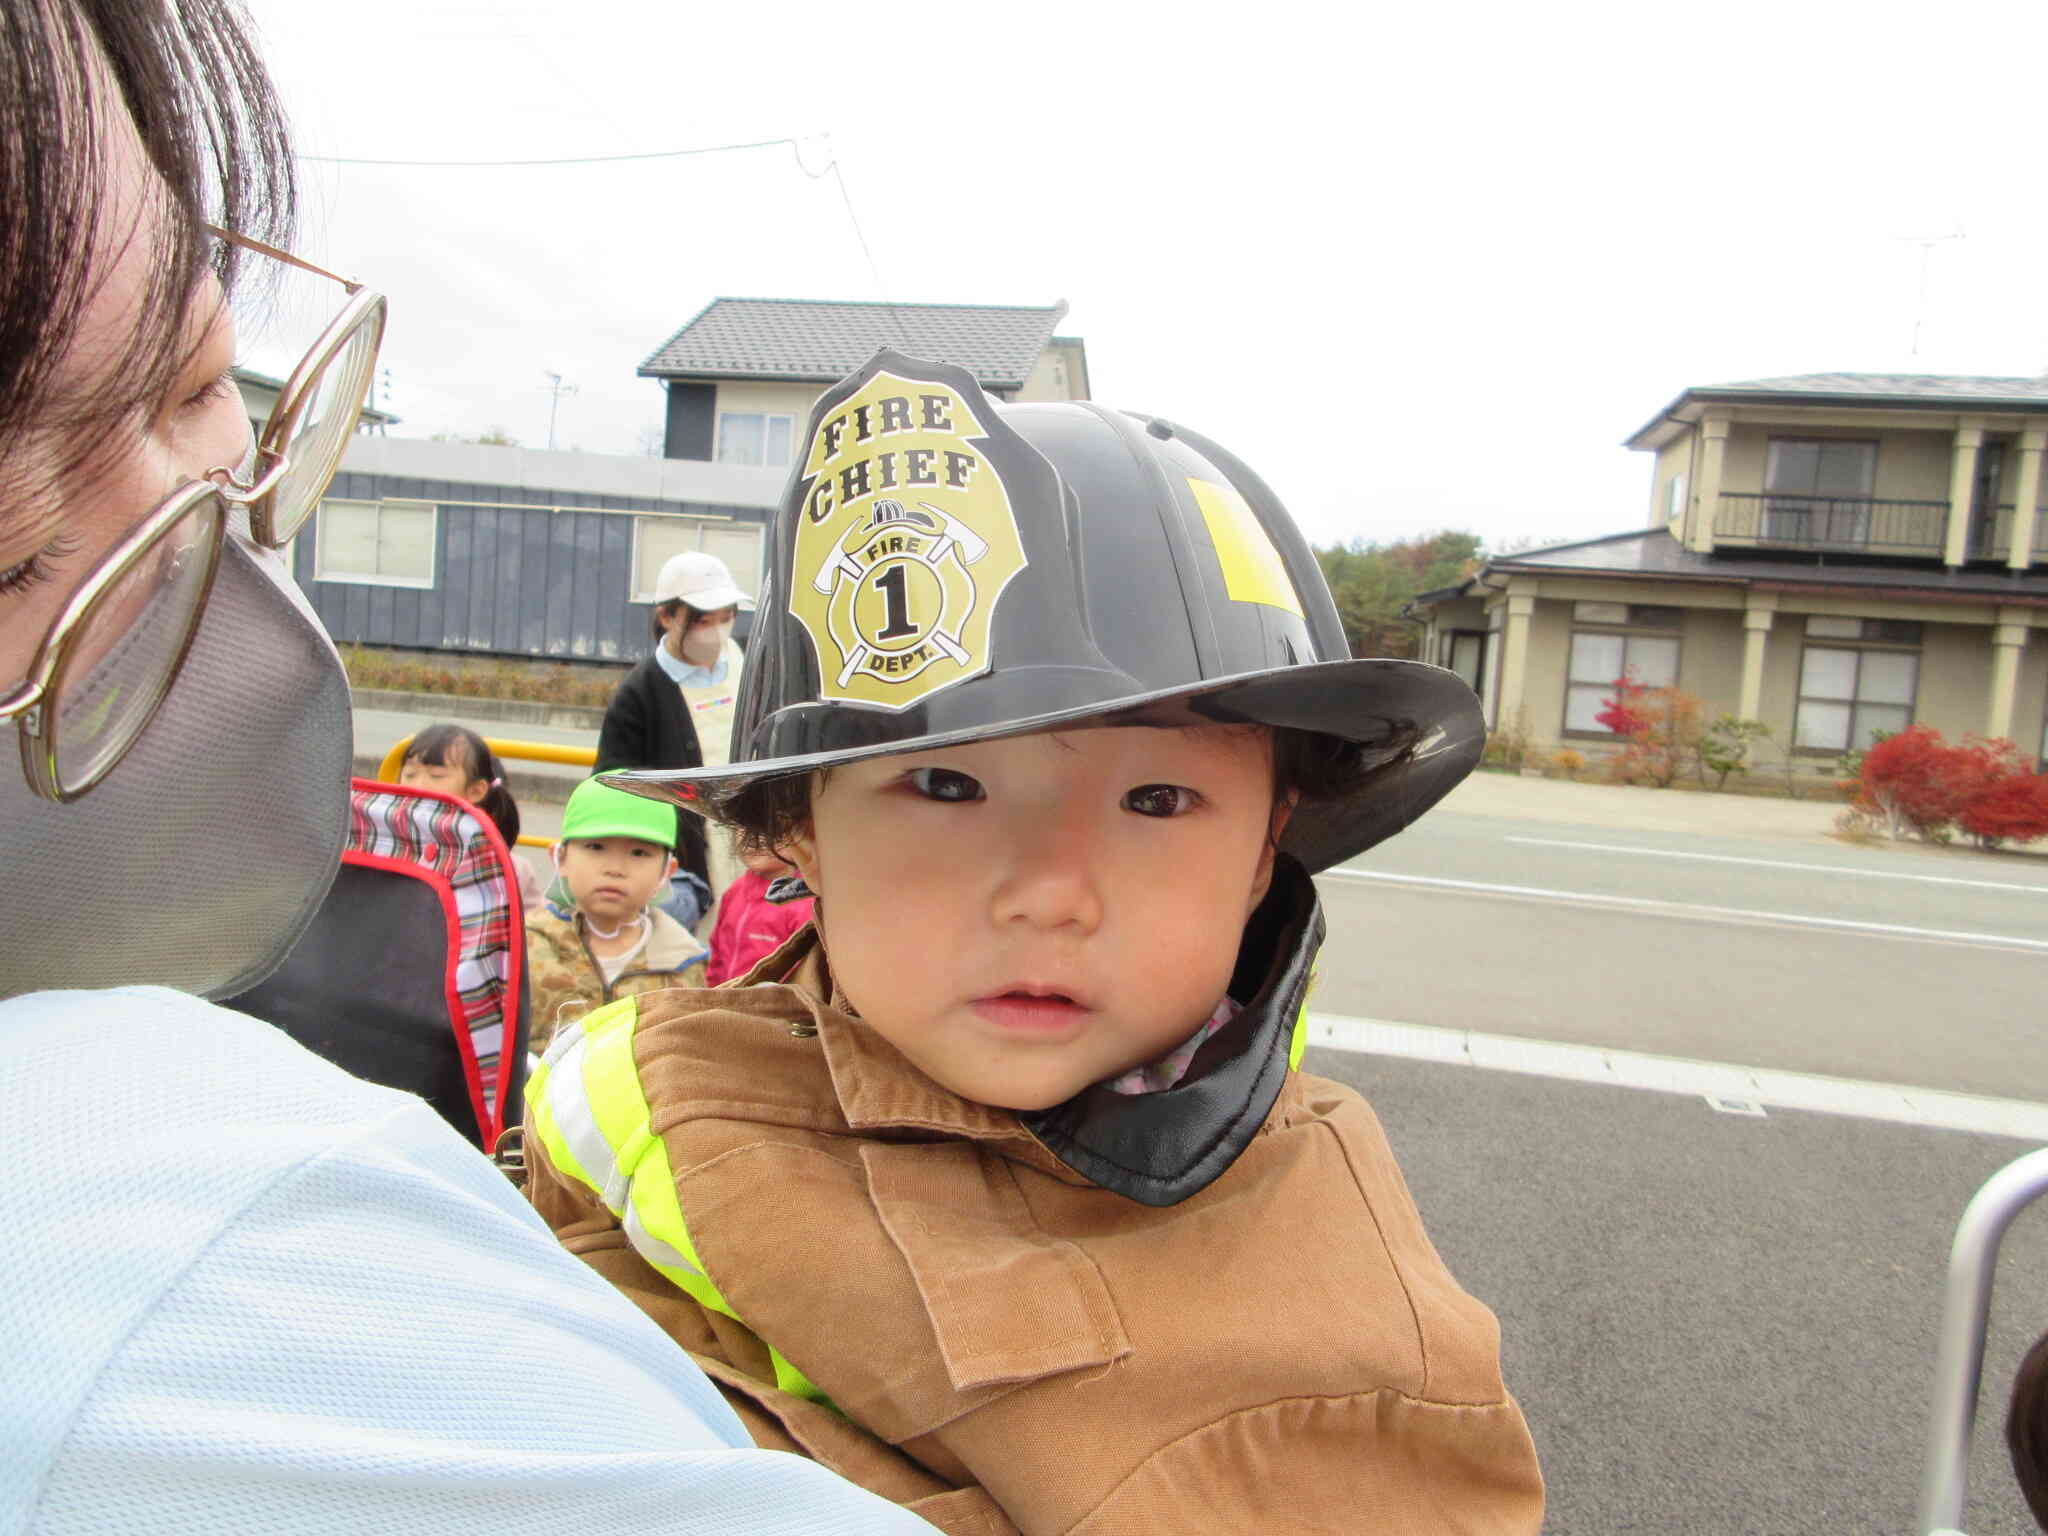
(905, 540)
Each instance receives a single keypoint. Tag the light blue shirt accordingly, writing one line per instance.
(242, 1291)
(683, 675)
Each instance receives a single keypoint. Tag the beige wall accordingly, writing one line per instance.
(770, 399)
(1673, 459)
(1954, 677)
(1911, 466)
(1710, 659)
(1059, 374)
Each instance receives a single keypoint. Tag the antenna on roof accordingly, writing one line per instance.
(556, 389)
(1927, 243)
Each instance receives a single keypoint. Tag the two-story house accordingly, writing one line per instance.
(1832, 554)
(742, 375)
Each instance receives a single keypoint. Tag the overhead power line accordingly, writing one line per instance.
(657, 154)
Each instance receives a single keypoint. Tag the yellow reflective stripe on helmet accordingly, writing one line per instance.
(592, 1117)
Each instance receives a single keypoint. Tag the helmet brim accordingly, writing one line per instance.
(1419, 727)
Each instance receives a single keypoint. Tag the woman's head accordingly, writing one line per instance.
(456, 761)
(125, 126)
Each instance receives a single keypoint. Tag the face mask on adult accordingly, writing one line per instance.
(703, 645)
(199, 860)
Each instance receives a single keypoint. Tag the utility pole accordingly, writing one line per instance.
(556, 389)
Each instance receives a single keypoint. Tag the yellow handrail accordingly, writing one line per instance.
(502, 746)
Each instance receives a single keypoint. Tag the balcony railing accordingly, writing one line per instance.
(1858, 523)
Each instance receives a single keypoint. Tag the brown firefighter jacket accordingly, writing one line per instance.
(1004, 1345)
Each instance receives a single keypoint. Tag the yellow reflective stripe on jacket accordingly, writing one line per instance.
(591, 1116)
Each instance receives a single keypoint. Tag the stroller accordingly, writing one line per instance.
(413, 972)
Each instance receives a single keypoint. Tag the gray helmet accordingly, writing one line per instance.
(945, 569)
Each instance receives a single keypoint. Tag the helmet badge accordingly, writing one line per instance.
(905, 540)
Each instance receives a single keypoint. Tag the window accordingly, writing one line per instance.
(1846, 693)
(656, 539)
(1600, 657)
(1674, 498)
(378, 543)
(749, 437)
(1827, 484)
(1463, 652)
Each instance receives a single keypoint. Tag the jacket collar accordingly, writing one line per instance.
(1160, 1148)
(1155, 1148)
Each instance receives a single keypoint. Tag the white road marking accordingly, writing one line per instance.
(2018, 1118)
(1819, 869)
(1694, 911)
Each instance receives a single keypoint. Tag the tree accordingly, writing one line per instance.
(1661, 727)
(1920, 783)
(493, 436)
(2013, 810)
(1370, 583)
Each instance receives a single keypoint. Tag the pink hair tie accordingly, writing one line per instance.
(497, 783)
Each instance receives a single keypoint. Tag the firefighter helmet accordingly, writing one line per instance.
(946, 569)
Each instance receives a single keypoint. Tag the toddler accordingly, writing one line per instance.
(457, 761)
(596, 936)
(1000, 1191)
(752, 924)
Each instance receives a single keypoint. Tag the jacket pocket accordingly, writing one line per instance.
(1008, 1301)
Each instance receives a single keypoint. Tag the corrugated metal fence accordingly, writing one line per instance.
(517, 571)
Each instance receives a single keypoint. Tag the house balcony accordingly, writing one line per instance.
(1852, 525)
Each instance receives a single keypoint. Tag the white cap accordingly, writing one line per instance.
(700, 580)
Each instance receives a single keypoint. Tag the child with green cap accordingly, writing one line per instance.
(998, 1188)
(597, 936)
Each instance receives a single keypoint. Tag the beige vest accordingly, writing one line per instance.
(711, 712)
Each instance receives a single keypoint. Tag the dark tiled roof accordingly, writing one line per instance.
(1891, 386)
(815, 340)
(1654, 553)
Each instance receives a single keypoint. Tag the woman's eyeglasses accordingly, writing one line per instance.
(114, 650)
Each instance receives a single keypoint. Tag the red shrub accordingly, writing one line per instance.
(1917, 780)
(1627, 713)
(2013, 810)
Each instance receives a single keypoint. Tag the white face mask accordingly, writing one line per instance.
(703, 645)
(199, 860)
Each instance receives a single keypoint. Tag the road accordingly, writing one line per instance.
(1823, 957)
(1716, 1323)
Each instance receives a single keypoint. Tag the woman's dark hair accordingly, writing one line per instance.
(2026, 1429)
(1308, 764)
(211, 126)
(457, 746)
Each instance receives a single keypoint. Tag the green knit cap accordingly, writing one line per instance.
(598, 810)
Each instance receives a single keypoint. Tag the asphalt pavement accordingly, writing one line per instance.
(1716, 1324)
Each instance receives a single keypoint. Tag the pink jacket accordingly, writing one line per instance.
(750, 927)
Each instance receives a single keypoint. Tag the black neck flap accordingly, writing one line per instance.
(1160, 1148)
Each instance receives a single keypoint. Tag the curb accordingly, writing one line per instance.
(457, 706)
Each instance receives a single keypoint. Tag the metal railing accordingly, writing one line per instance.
(1965, 1313)
(1832, 522)
(503, 747)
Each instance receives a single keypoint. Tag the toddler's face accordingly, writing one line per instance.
(449, 778)
(613, 878)
(1023, 918)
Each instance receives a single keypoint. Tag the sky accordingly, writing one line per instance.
(1422, 267)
